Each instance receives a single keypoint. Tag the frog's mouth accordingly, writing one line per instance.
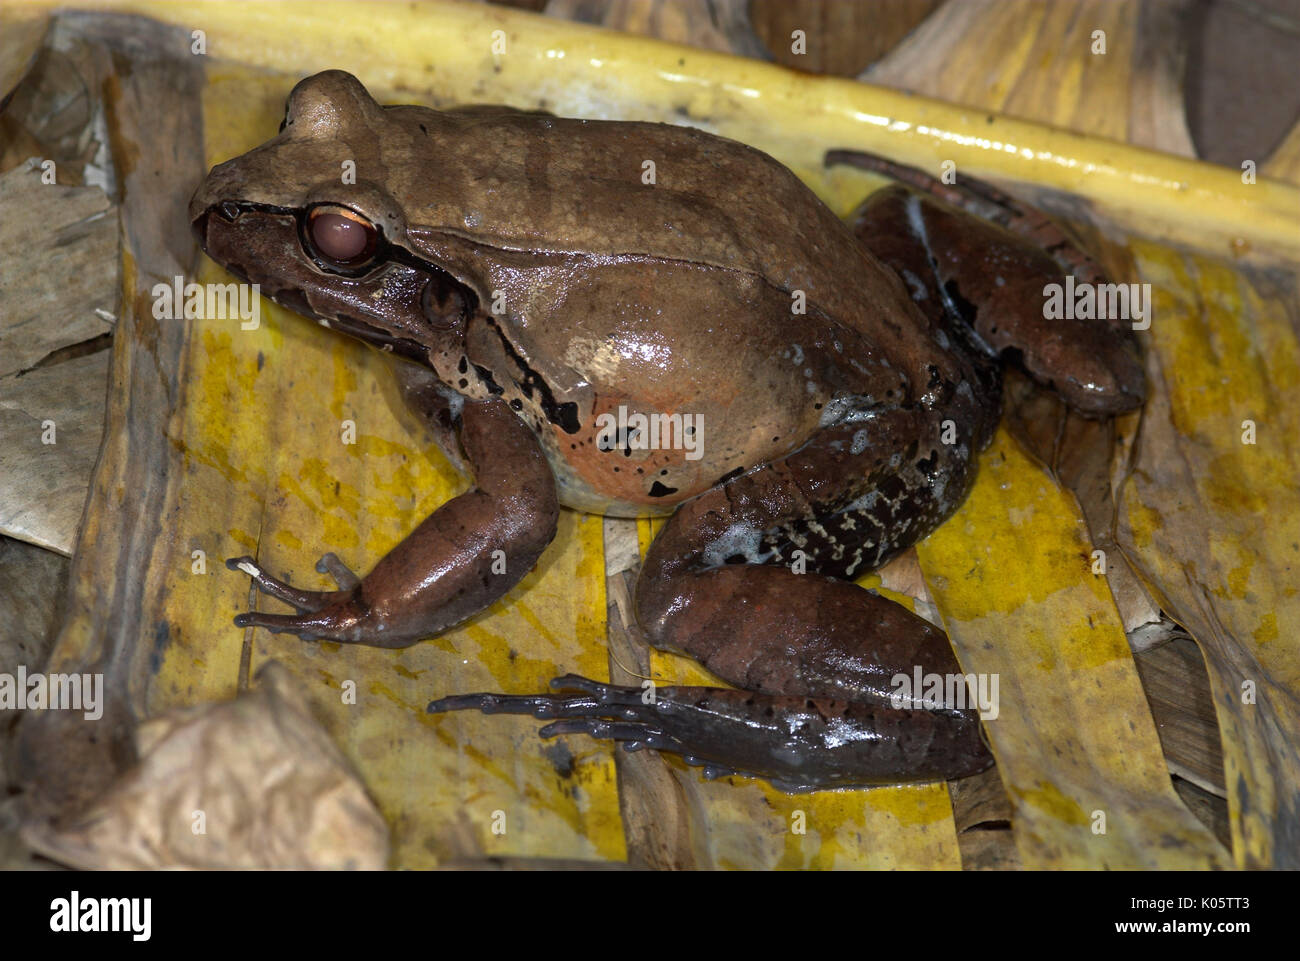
(292, 299)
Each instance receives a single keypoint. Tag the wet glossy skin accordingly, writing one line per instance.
(839, 387)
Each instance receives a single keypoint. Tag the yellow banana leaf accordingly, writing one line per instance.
(268, 467)
(1211, 515)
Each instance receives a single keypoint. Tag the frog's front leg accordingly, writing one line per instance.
(450, 567)
(815, 654)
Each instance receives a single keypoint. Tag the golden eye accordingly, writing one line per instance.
(341, 238)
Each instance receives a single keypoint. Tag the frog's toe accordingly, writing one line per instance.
(597, 700)
(632, 734)
(603, 711)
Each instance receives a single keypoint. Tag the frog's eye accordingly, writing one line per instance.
(341, 238)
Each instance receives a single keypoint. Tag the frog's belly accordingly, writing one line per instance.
(632, 460)
(640, 450)
(645, 471)
(576, 494)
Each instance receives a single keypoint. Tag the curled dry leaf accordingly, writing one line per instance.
(250, 783)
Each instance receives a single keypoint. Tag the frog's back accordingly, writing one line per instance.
(580, 186)
(576, 186)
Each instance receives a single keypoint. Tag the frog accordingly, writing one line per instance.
(637, 319)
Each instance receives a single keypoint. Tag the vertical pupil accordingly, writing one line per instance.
(339, 237)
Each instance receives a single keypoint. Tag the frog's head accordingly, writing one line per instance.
(308, 217)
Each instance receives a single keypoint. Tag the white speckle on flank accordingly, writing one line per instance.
(918, 287)
(455, 401)
(249, 568)
(864, 503)
(846, 409)
(740, 538)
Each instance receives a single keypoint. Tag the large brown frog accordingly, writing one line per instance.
(708, 341)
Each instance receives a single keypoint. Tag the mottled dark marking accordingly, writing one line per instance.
(486, 376)
(965, 309)
(564, 416)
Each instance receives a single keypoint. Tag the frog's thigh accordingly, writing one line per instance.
(998, 284)
(859, 490)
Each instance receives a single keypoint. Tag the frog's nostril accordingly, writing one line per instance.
(229, 210)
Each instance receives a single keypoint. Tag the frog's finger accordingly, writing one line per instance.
(343, 575)
(304, 601)
(337, 622)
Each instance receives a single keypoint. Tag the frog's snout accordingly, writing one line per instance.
(212, 200)
(202, 205)
(199, 214)
(199, 227)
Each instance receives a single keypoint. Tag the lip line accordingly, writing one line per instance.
(375, 337)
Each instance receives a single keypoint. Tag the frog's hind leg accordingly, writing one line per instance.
(753, 579)
(994, 287)
(817, 657)
(985, 201)
(798, 743)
